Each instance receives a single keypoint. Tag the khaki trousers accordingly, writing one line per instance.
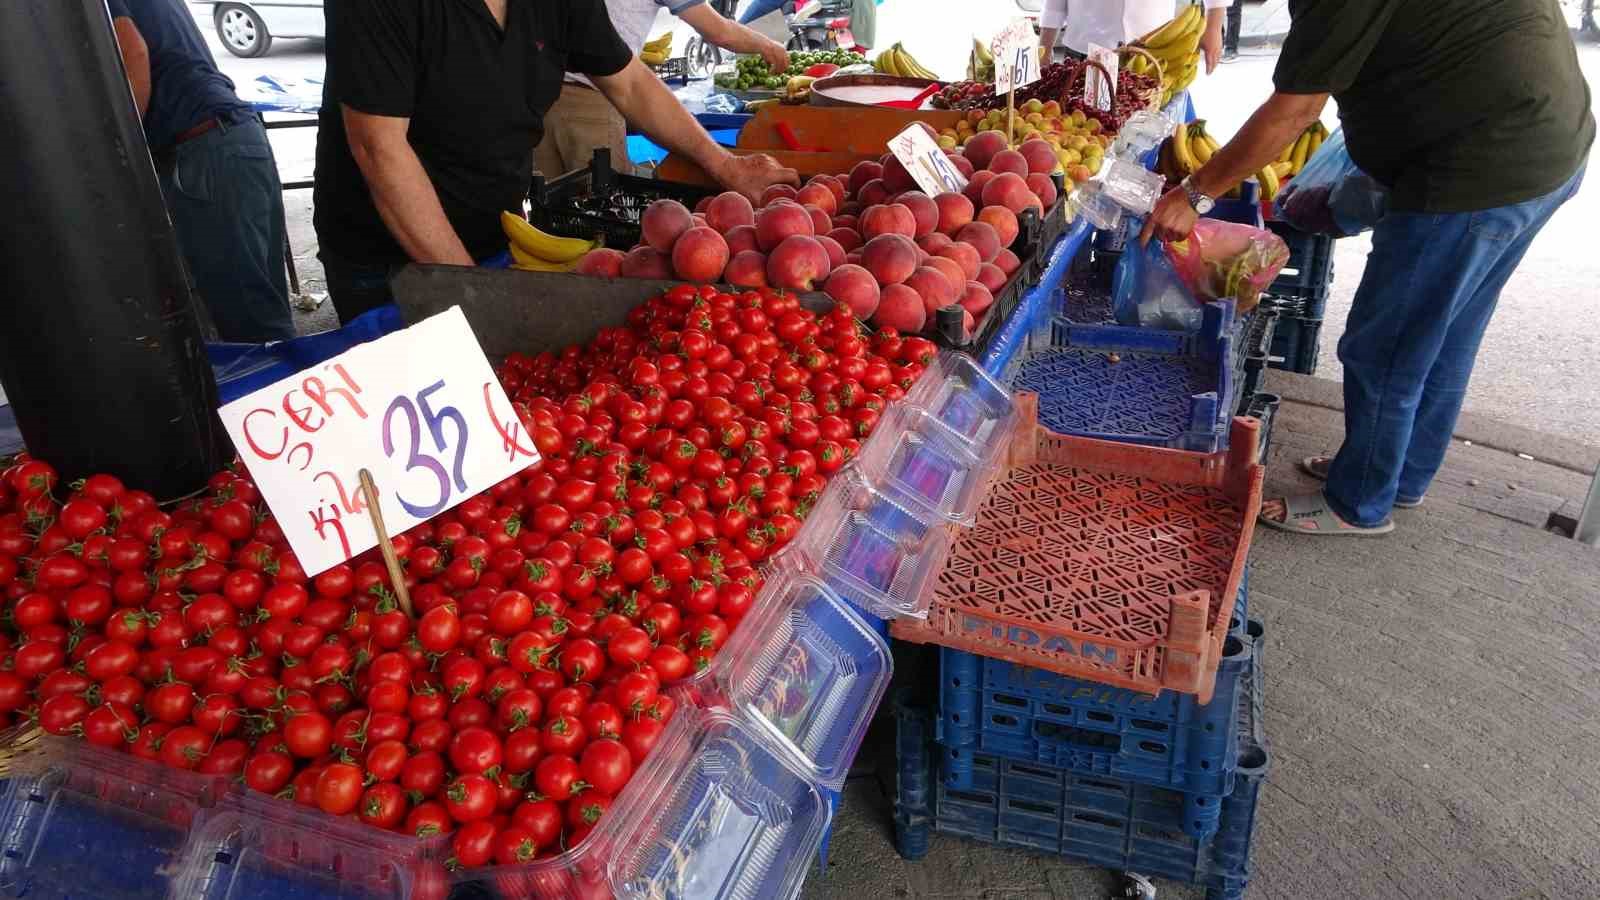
(581, 120)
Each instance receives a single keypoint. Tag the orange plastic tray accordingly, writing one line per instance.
(1100, 560)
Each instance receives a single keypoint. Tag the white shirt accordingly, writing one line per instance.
(1110, 23)
(632, 20)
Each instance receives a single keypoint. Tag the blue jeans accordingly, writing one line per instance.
(1431, 285)
(226, 203)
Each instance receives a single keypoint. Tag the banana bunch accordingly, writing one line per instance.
(896, 61)
(1186, 150)
(1296, 154)
(533, 250)
(1177, 45)
(657, 51)
(980, 65)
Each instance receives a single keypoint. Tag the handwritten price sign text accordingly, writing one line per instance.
(1016, 56)
(928, 165)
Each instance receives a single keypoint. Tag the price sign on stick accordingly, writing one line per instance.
(1101, 94)
(1016, 56)
(420, 409)
(928, 165)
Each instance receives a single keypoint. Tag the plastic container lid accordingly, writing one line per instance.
(924, 472)
(80, 821)
(809, 671)
(871, 550)
(965, 405)
(726, 816)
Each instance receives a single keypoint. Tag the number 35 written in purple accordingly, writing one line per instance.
(417, 458)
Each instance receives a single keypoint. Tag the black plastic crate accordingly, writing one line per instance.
(1301, 288)
(1255, 350)
(1263, 407)
(1036, 237)
(600, 201)
(1295, 342)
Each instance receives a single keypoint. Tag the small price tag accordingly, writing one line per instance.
(420, 408)
(1016, 56)
(1101, 93)
(928, 165)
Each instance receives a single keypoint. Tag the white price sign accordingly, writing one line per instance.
(1097, 89)
(928, 165)
(1016, 56)
(420, 408)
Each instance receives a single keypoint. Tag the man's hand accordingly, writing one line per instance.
(752, 174)
(777, 58)
(1211, 38)
(1171, 220)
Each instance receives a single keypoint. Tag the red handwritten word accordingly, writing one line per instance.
(509, 439)
(304, 415)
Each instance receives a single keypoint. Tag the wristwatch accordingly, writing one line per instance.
(1201, 203)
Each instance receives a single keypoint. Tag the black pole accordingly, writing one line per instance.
(100, 350)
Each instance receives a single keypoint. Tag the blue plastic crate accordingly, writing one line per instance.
(992, 707)
(1136, 385)
(1106, 821)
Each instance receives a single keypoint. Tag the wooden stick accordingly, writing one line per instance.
(1011, 111)
(369, 490)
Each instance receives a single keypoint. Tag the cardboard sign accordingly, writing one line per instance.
(420, 408)
(1100, 93)
(1016, 56)
(928, 165)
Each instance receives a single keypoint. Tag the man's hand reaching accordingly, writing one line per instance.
(752, 174)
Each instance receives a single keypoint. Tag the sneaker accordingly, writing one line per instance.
(1229, 55)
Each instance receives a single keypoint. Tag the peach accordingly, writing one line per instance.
(846, 237)
(853, 257)
(854, 287)
(728, 210)
(991, 277)
(982, 147)
(975, 185)
(968, 322)
(848, 209)
(821, 222)
(895, 176)
(797, 263)
(962, 164)
(923, 256)
(1008, 262)
(887, 218)
(779, 221)
(1003, 220)
(965, 256)
(951, 270)
(742, 237)
(1043, 188)
(645, 262)
(872, 193)
(818, 195)
(955, 210)
(983, 238)
(975, 298)
(1041, 157)
(844, 220)
(901, 308)
(604, 262)
(933, 287)
(662, 222)
(923, 210)
(747, 268)
(861, 173)
(1008, 161)
(777, 192)
(699, 219)
(933, 243)
(700, 254)
(1009, 190)
(703, 204)
(835, 184)
(889, 257)
(835, 251)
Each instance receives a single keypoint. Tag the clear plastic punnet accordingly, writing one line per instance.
(256, 847)
(872, 551)
(924, 471)
(722, 814)
(808, 670)
(964, 404)
(80, 821)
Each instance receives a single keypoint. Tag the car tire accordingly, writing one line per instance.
(241, 31)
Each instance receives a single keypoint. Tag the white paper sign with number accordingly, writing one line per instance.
(420, 408)
(1016, 56)
(928, 165)
(1100, 92)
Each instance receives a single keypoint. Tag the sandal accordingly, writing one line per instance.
(1309, 514)
(1317, 467)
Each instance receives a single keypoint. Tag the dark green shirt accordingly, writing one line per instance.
(1456, 105)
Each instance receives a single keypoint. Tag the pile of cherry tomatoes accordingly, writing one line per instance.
(553, 611)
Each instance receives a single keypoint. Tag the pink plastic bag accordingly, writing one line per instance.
(1226, 259)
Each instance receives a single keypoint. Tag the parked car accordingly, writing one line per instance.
(247, 28)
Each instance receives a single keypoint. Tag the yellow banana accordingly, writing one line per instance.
(1166, 33)
(1180, 148)
(653, 57)
(984, 55)
(662, 43)
(1297, 159)
(1316, 141)
(1269, 182)
(537, 244)
(525, 261)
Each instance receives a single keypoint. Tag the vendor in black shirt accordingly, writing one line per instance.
(430, 114)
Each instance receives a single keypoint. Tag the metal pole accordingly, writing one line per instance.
(1588, 530)
(100, 353)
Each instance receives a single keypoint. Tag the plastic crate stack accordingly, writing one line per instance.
(1300, 296)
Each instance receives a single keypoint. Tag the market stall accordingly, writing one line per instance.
(627, 639)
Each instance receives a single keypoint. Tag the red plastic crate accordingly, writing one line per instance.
(1102, 560)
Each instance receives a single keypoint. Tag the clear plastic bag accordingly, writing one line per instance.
(1228, 259)
(1331, 195)
(1146, 289)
